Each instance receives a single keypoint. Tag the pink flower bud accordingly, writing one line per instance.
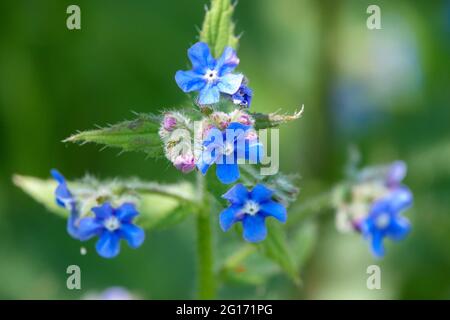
(185, 163)
(245, 119)
(169, 122)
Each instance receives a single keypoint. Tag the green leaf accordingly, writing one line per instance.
(264, 121)
(159, 205)
(42, 191)
(276, 248)
(303, 243)
(218, 27)
(140, 134)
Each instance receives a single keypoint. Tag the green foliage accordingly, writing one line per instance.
(41, 191)
(218, 27)
(159, 205)
(264, 121)
(303, 243)
(276, 248)
(140, 134)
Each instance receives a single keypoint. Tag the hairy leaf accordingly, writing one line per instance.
(264, 121)
(140, 134)
(218, 27)
(41, 191)
(159, 205)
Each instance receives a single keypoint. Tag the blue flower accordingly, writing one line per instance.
(384, 220)
(65, 199)
(243, 96)
(251, 208)
(63, 195)
(225, 148)
(208, 75)
(111, 225)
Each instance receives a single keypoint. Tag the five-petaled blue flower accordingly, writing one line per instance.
(225, 148)
(251, 208)
(208, 75)
(111, 225)
(243, 96)
(385, 220)
(65, 199)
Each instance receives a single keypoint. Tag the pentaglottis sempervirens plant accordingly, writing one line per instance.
(218, 139)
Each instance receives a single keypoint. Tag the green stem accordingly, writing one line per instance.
(314, 206)
(206, 276)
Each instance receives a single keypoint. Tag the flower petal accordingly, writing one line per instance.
(57, 176)
(227, 173)
(108, 246)
(210, 94)
(238, 194)
(399, 228)
(274, 209)
(201, 57)
(126, 212)
(396, 173)
(189, 81)
(260, 193)
(72, 225)
(133, 234)
(89, 227)
(104, 211)
(376, 244)
(227, 62)
(254, 228)
(230, 83)
(238, 126)
(229, 216)
(400, 199)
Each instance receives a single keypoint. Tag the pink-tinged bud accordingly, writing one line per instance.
(251, 135)
(169, 122)
(245, 119)
(185, 163)
(221, 119)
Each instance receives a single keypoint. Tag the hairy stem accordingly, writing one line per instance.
(311, 207)
(206, 276)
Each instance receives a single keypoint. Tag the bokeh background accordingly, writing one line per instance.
(386, 91)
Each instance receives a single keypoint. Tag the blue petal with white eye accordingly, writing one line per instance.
(229, 216)
(254, 228)
(108, 246)
(274, 209)
(134, 235)
(237, 194)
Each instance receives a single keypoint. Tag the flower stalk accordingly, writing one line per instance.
(206, 277)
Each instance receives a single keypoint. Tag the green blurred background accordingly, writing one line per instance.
(386, 91)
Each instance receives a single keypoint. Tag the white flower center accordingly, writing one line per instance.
(228, 149)
(112, 223)
(383, 220)
(211, 75)
(251, 207)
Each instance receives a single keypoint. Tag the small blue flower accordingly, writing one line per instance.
(208, 75)
(65, 199)
(111, 225)
(251, 208)
(384, 220)
(243, 96)
(225, 148)
(63, 195)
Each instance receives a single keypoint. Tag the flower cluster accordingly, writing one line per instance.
(92, 214)
(373, 205)
(222, 137)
